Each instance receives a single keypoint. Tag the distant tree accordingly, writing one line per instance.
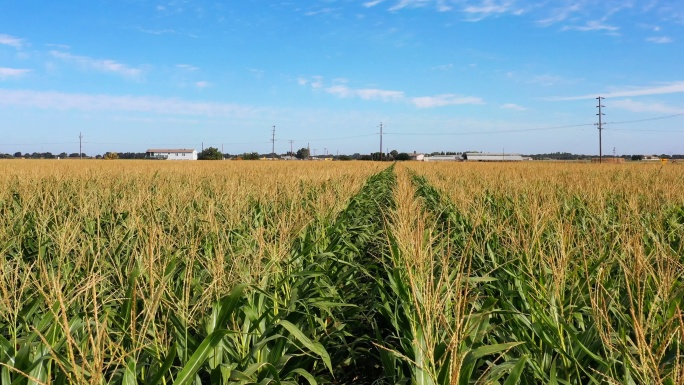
(344, 157)
(303, 153)
(366, 157)
(250, 156)
(17, 154)
(47, 155)
(73, 155)
(111, 156)
(394, 154)
(63, 155)
(211, 153)
(637, 157)
(356, 155)
(402, 156)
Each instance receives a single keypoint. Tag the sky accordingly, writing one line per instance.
(438, 75)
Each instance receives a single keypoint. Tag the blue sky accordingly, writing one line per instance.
(441, 75)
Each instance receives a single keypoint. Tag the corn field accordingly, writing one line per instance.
(134, 272)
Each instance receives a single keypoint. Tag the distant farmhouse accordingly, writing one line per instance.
(171, 154)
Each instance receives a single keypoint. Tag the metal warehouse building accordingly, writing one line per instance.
(492, 157)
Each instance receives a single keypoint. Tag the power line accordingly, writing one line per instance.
(488, 132)
(338, 138)
(647, 120)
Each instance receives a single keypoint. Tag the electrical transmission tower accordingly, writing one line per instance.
(381, 141)
(273, 143)
(291, 153)
(600, 127)
(80, 146)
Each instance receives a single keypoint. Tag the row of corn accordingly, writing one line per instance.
(399, 287)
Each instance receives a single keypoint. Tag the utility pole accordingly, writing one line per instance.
(325, 151)
(600, 127)
(308, 151)
(381, 141)
(314, 152)
(291, 153)
(80, 146)
(223, 157)
(273, 143)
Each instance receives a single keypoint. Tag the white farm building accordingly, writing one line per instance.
(492, 157)
(172, 154)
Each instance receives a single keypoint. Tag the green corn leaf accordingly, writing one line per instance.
(516, 372)
(314, 347)
(198, 358)
(168, 362)
(129, 377)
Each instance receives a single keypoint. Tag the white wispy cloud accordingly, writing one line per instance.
(444, 100)
(102, 65)
(9, 73)
(11, 41)
(401, 4)
(60, 46)
(322, 11)
(373, 3)
(488, 7)
(634, 106)
(513, 106)
(50, 100)
(340, 89)
(592, 25)
(663, 89)
(203, 84)
(660, 39)
(316, 82)
(443, 67)
(365, 93)
(187, 67)
(257, 73)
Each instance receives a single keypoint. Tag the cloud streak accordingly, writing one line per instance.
(340, 89)
(513, 106)
(365, 93)
(100, 65)
(634, 106)
(51, 100)
(660, 40)
(444, 100)
(9, 73)
(593, 25)
(668, 88)
(11, 41)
